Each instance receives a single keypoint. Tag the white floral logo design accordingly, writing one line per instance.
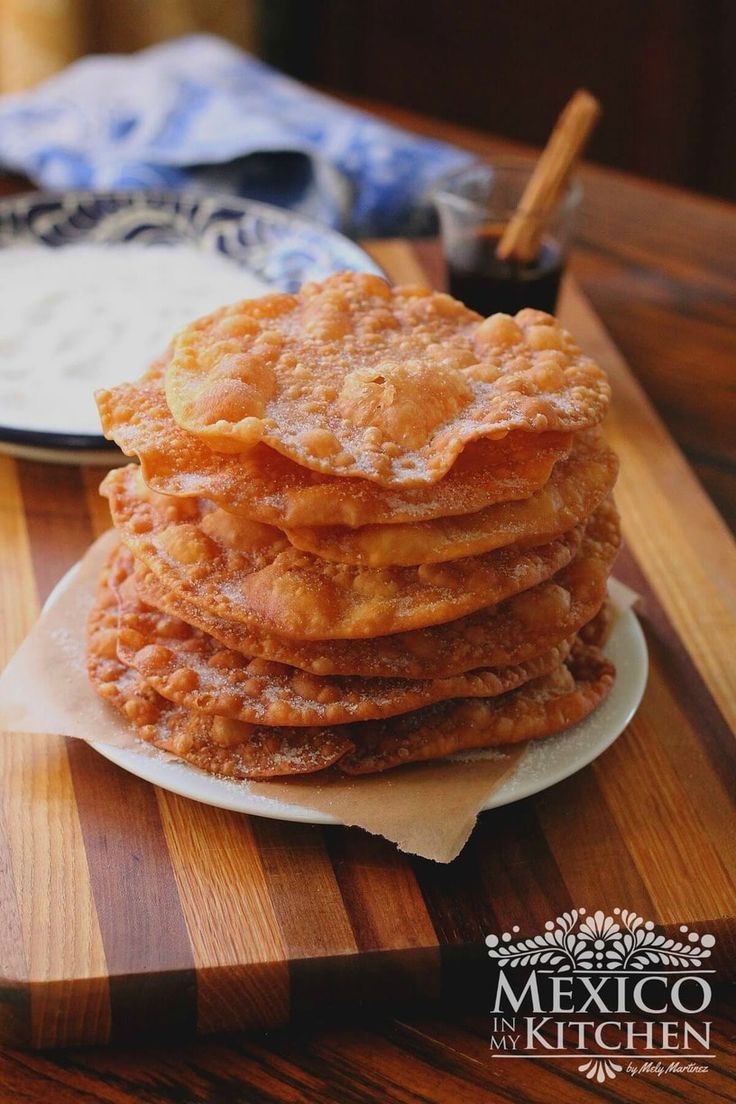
(582, 942)
(577, 941)
(600, 1069)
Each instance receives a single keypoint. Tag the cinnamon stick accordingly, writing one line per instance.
(522, 237)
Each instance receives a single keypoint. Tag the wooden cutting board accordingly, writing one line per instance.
(130, 911)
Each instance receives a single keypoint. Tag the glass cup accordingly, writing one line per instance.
(475, 204)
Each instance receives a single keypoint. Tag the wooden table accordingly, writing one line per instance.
(438, 1055)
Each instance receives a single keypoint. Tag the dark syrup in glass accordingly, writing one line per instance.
(486, 284)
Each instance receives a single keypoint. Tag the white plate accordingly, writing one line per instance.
(247, 248)
(546, 762)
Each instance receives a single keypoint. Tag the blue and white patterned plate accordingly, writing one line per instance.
(280, 249)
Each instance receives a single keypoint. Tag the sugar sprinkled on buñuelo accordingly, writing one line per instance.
(369, 528)
(353, 377)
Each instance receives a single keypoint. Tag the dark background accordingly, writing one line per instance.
(663, 69)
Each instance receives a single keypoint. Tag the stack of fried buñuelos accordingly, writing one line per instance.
(368, 527)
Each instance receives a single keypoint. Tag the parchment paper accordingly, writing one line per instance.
(427, 809)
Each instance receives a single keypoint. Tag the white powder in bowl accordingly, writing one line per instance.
(85, 316)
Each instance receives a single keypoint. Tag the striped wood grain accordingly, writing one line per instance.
(680, 540)
(133, 911)
(46, 882)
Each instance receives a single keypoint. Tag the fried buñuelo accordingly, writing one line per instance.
(368, 528)
(354, 377)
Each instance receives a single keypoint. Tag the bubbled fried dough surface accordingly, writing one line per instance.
(540, 708)
(516, 631)
(235, 749)
(115, 682)
(249, 573)
(576, 487)
(191, 668)
(265, 486)
(215, 744)
(352, 377)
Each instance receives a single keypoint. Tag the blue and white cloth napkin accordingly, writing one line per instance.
(198, 112)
